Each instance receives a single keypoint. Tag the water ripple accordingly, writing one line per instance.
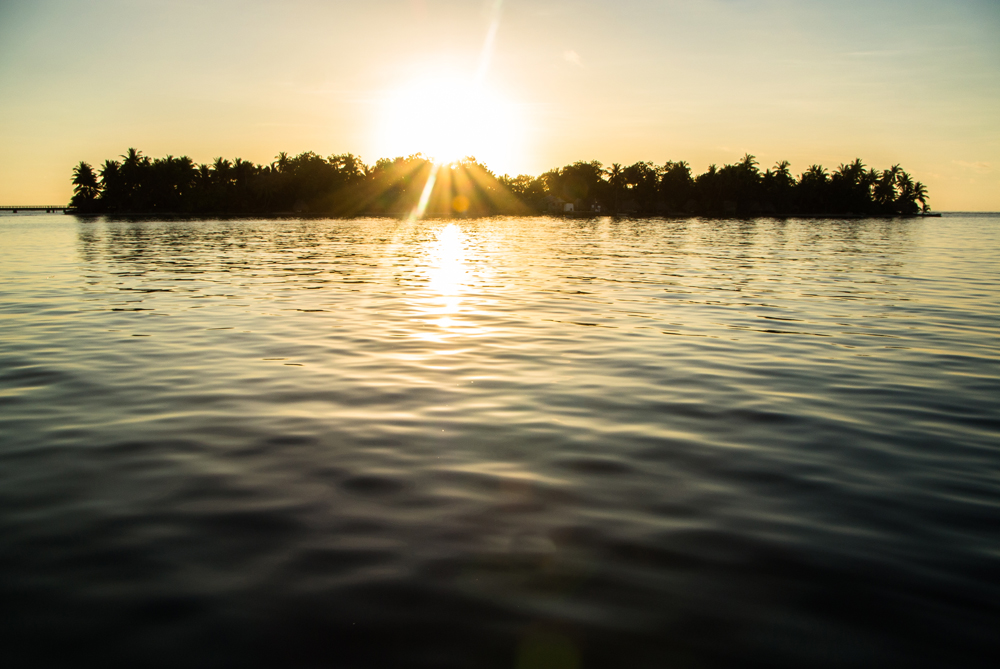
(478, 443)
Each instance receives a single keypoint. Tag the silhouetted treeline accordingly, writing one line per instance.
(343, 185)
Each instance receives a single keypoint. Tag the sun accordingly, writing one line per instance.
(446, 119)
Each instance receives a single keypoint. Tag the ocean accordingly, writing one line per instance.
(510, 442)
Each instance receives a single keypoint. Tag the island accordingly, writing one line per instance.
(342, 185)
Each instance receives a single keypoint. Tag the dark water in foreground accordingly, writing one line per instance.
(523, 443)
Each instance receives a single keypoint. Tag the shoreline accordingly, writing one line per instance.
(577, 215)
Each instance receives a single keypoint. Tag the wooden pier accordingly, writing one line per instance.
(47, 208)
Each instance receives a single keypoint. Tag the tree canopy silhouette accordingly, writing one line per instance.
(342, 185)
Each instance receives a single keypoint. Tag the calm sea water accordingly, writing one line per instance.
(525, 443)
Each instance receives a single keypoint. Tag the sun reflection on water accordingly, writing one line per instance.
(449, 273)
(449, 282)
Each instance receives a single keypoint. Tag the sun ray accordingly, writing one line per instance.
(425, 195)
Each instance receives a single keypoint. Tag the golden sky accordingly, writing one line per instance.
(525, 85)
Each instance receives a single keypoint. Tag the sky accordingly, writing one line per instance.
(912, 82)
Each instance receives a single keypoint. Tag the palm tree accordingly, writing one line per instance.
(676, 185)
(852, 171)
(640, 180)
(920, 193)
(112, 187)
(86, 190)
(184, 175)
(782, 170)
(846, 190)
(201, 189)
(778, 187)
(133, 177)
(221, 167)
(815, 173)
(748, 163)
(885, 189)
(221, 182)
(616, 178)
(812, 190)
(131, 158)
(869, 181)
(348, 166)
(906, 200)
(159, 184)
(282, 160)
(707, 190)
(748, 193)
(243, 173)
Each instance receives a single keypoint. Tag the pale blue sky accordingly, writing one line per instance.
(916, 83)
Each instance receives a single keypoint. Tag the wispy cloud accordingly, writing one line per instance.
(882, 53)
(571, 56)
(981, 167)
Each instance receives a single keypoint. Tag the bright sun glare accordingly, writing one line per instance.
(447, 119)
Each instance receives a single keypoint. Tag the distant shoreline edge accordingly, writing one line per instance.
(572, 214)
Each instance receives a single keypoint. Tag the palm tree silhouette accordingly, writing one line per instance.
(906, 200)
(86, 189)
(344, 185)
(884, 192)
(748, 163)
(112, 186)
(920, 194)
(617, 182)
(282, 161)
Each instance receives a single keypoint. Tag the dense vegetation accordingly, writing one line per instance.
(343, 185)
